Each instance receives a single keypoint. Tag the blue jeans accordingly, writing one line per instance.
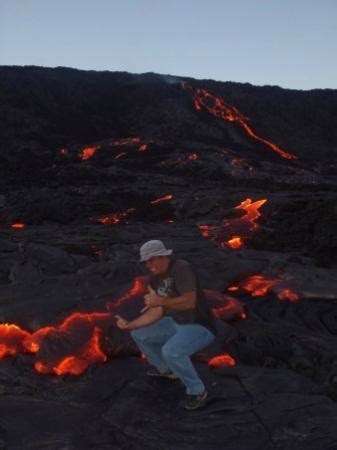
(168, 346)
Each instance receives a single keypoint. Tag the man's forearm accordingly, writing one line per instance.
(150, 316)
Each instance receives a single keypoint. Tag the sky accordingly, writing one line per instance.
(289, 43)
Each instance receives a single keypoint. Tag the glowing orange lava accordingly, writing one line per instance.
(142, 148)
(18, 225)
(113, 219)
(219, 361)
(88, 152)
(166, 198)
(82, 330)
(288, 294)
(120, 155)
(12, 340)
(139, 287)
(126, 141)
(217, 107)
(252, 211)
(258, 285)
(243, 225)
(235, 242)
(192, 156)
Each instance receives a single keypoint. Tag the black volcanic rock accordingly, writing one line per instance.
(95, 163)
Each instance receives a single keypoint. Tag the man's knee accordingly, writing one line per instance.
(139, 334)
(169, 351)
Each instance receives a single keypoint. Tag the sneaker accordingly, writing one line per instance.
(195, 401)
(156, 373)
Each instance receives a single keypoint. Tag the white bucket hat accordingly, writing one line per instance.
(153, 248)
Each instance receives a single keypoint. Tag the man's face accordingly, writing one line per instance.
(157, 264)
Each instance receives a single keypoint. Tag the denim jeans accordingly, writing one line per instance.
(168, 346)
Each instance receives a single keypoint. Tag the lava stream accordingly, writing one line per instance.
(237, 228)
(220, 361)
(258, 285)
(217, 107)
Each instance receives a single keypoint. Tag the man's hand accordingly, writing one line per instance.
(122, 323)
(152, 299)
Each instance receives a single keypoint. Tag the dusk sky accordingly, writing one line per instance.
(289, 43)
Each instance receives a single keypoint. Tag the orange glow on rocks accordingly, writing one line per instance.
(235, 242)
(114, 219)
(120, 155)
(12, 340)
(88, 152)
(91, 354)
(84, 352)
(217, 107)
(193, 157)
(257, 285)
(166, 198)
(242, 226)
(252, 211)
(126, 141)
(73, 345)
(139, 287)
(221, 361)
(143, 148)
(233, 288)
(288, 294)
(18, 225)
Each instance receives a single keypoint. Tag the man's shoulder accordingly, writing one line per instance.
(181, 263)
(181, 266)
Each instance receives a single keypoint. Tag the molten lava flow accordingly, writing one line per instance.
(258, 285)
(252, 211)
(288, 294)
(88, 152)
(235, 242)
(233, 288)
(12, 340)
(120, 155)
(70, 347)
(193, 157)
(91, 354)
(82, 331)
(219, 361)
(126, 141)
(224, 307)
(142, 148)
(139, 287)
(18, 225)
(217, 107)
(113, 219)
(166, 198)
(32, 343)
(243, 225)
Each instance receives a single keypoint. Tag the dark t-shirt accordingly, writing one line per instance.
(176, 281)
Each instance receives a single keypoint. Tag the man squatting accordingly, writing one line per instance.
(175, 322)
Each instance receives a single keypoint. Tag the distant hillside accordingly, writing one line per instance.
(43, 108)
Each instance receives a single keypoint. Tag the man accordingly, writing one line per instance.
(175, 323)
